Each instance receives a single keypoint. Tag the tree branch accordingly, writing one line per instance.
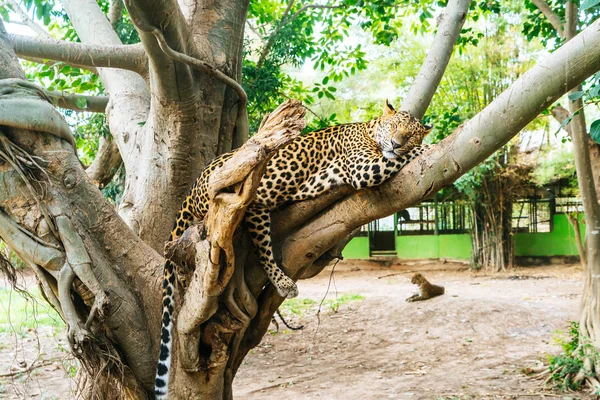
(283, 22)
(115, 12)
(166, 77)
(129, 57)
(422, 90)
(571, 20)
(242, 118)
(560, 114)
(273, 35)
(469, 145)
(552, 17)
(28, 21)
(106, 164)
(127, 90)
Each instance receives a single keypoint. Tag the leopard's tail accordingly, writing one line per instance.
(161, 383)
(294, 328)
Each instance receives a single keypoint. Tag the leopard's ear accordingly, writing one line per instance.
(388, 109)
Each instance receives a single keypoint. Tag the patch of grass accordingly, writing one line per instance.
(19, 313)
(567, 364)
(301, 307)
(346, 298)
(297, 306)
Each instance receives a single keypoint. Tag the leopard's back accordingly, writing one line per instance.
(429, 290)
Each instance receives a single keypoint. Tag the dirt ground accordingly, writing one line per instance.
(471, 343)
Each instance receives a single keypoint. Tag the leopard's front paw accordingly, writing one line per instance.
(287, 288)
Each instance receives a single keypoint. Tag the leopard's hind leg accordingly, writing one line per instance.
(258, 220)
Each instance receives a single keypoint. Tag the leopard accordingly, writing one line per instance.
(426, 290)
(362, 155)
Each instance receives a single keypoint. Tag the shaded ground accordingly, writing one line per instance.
(470, 343)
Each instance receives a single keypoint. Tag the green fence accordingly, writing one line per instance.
(559, 242)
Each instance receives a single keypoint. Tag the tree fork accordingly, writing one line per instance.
(218, 306)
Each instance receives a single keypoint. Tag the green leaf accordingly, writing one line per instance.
(595, 130)
(595, 90)
(588, 4)
(567, 120)
(576, 95)
(81, 102)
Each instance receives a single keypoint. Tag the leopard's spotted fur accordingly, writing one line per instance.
(426, 290)
(359, 154)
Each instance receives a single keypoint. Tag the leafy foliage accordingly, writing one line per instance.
(320, 35)
(554, 165)
(566, 365)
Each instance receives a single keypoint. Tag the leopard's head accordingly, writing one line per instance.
(417, 279)
(396, 132)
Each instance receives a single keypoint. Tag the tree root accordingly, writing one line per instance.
(583, 379)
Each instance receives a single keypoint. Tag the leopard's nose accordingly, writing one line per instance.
(398, 144)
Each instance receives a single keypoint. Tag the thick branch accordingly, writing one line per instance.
(127, 90)
(78, 102)
(552, 17)
(130, 57)
(432, 70)
(105, 165)
(69, 101)
(469, 145)
(166, 77)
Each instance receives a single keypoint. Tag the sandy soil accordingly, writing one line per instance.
(471, 343)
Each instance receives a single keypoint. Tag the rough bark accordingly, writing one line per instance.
(188, 113)
(216, 311)
(432, 70)
(68, 233)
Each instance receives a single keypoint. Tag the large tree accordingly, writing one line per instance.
(174, 102)
(565, 20)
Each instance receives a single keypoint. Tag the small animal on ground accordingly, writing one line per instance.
(426, 289)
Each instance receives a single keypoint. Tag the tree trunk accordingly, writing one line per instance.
(57, 221)
(492, 244)
(589, 326)
(589, 187)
